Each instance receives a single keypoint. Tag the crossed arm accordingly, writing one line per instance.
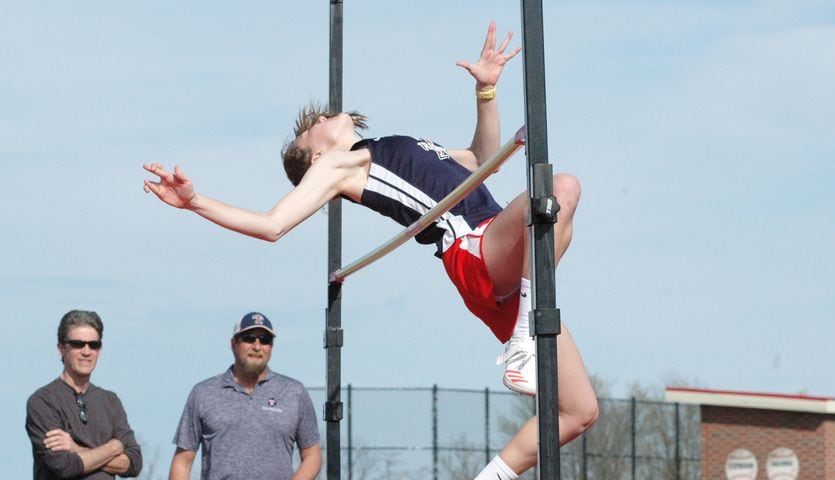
(58, 451)
(108, 457)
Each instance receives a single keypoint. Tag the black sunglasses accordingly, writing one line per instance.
(265, 339)
(82, 408)
(79, 344)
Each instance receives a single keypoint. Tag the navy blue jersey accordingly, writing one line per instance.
(409, 176)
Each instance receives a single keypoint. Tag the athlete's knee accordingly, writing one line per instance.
(580, 417)
(567, 191)
(589, 413)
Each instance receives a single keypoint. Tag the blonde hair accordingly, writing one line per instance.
(296, 159)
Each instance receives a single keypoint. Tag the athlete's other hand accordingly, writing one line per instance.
(489, 67)
(174, 188)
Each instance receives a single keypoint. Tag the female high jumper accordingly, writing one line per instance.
(484, 248)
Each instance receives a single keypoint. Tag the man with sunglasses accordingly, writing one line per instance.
(248, 419)
(77, 429)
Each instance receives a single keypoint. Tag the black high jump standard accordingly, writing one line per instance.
(545, 318)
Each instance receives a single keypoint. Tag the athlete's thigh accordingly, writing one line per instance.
(505, 246)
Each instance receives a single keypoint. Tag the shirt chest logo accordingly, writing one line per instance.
(271, 406)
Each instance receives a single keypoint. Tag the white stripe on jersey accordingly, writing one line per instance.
(386, 183)
(389, 185)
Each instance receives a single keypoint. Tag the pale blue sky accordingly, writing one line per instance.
(703, 134)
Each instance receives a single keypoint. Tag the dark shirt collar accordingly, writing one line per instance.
(361, 144)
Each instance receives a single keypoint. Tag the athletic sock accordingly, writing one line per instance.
(497, 470)
(522, 330)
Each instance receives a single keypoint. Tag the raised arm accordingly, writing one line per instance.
(334, 173)
(486, 72)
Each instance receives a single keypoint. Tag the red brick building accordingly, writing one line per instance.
(759, 436)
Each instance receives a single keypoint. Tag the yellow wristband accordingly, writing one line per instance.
(486, 94)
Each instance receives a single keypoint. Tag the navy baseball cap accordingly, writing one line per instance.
(253, 320)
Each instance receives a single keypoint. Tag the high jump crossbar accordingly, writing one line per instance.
(452, 199)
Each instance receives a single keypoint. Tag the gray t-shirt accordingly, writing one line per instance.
(54, 406)
(247, 437)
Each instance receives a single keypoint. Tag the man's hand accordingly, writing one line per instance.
(60, 441)
(489, 67)
(174, 189)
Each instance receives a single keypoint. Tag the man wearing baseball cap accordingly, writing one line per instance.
(248, 419)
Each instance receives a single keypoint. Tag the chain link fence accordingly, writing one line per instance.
(450, 434)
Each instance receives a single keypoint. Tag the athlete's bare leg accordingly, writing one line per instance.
(577, 404)
(507, 255)
(505, 242)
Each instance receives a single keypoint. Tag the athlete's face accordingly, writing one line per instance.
(252, 357)
(328, 133)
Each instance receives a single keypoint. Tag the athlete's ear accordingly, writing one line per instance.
(316, 156)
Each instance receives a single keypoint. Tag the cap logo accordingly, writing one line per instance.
(253, 320)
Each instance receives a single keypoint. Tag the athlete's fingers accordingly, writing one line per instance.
(490, 41)
(151, 187)
(151, 167)
(157, 170)
(508, 57)
(179, 175)
(505, 42)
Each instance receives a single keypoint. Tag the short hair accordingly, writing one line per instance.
(296, 159)
(78, 318)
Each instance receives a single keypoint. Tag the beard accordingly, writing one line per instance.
(253, 366)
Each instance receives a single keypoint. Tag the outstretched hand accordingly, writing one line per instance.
(489, 67)
(174, 188)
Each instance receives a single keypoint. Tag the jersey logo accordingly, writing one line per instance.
(430, 146)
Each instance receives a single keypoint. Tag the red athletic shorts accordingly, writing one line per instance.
(465, 266)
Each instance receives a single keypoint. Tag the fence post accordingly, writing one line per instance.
(678, 440)
(584, 463)
(486, 425)
(350, 437)
(435, 431)
(634, 459)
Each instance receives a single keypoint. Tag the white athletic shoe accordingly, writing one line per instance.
(519, 359)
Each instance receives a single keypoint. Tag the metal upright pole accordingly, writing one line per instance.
(545, 318)
(333, 329)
